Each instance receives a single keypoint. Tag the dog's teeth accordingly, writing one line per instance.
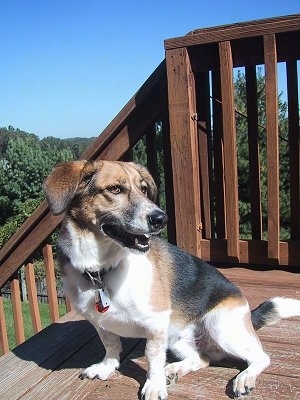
(136, 242)
(147, 235)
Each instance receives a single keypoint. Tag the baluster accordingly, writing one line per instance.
(17, 309)
(32, 298)
(51, 282)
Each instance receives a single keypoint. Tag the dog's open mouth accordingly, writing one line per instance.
(130, 240)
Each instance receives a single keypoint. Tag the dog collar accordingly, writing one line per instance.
(97, 278)
(102, 299)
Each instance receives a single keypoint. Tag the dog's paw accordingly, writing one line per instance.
(101, 370)
(176, 370)
(171, 373)
(153, 391)
(243, 384)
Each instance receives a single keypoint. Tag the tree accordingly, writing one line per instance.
(25, 161)
(243, 155)
(24, 164)
(23, 169)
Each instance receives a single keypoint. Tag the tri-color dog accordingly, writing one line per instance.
(129, 282)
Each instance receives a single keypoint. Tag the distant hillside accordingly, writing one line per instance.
(25, 161)
(76, 145)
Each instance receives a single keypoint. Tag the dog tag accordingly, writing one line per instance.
(102, 300)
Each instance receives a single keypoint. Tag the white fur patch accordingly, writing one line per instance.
(231, 329)
(86, 251)
(287, 308)
(226, 326)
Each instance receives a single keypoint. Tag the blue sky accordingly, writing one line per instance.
(69, 66)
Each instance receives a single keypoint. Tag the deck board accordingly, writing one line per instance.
(48, 365)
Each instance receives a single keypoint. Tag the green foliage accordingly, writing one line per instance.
(139, 154)
(75, 145)
(21, 213)
(25, 161)
(243, 156)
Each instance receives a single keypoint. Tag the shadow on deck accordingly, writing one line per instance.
(48, 365)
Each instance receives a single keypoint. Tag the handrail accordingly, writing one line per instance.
(111, 143)
(234, 31)
(21, 233)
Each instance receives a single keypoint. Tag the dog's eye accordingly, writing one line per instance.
(144, 190)
(115, 189)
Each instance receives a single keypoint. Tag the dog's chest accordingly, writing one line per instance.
(130, 291)
(131, 286)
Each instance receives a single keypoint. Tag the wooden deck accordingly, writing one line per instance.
(48, 365)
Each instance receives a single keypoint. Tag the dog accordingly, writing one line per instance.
(127, 281)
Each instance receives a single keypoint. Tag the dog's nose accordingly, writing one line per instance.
(157, 219)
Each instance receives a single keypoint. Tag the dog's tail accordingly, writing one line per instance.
(273, 310)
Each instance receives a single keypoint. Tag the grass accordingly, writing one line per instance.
(45, 319)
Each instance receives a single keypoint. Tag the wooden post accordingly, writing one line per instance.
(230, 150)
(254, 162)
(205, 151)
(167, 159)
(51, 283)
(32, 298)
(218, 150)
(184, 148)
(272, 145)
(69, 306)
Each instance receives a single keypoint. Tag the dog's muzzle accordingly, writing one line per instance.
(137, 240)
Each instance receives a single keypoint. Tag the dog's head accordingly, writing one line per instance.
(110, 198)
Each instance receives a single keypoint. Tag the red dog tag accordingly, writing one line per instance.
(102, 300)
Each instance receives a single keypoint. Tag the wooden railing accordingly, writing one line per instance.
(203, 130)
(32, 300)
(191, 96)
(136, 121)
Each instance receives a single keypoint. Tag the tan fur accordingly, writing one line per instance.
(231, 303)
(162, 281)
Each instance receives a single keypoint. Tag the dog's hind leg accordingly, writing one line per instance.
(184, 347)
(231, 329)
(257, 361)
(111, 361)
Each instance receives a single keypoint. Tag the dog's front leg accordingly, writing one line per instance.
(111, 360)
(155, 387)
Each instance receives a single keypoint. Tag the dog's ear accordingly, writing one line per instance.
(60, 186)
(147, 177)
